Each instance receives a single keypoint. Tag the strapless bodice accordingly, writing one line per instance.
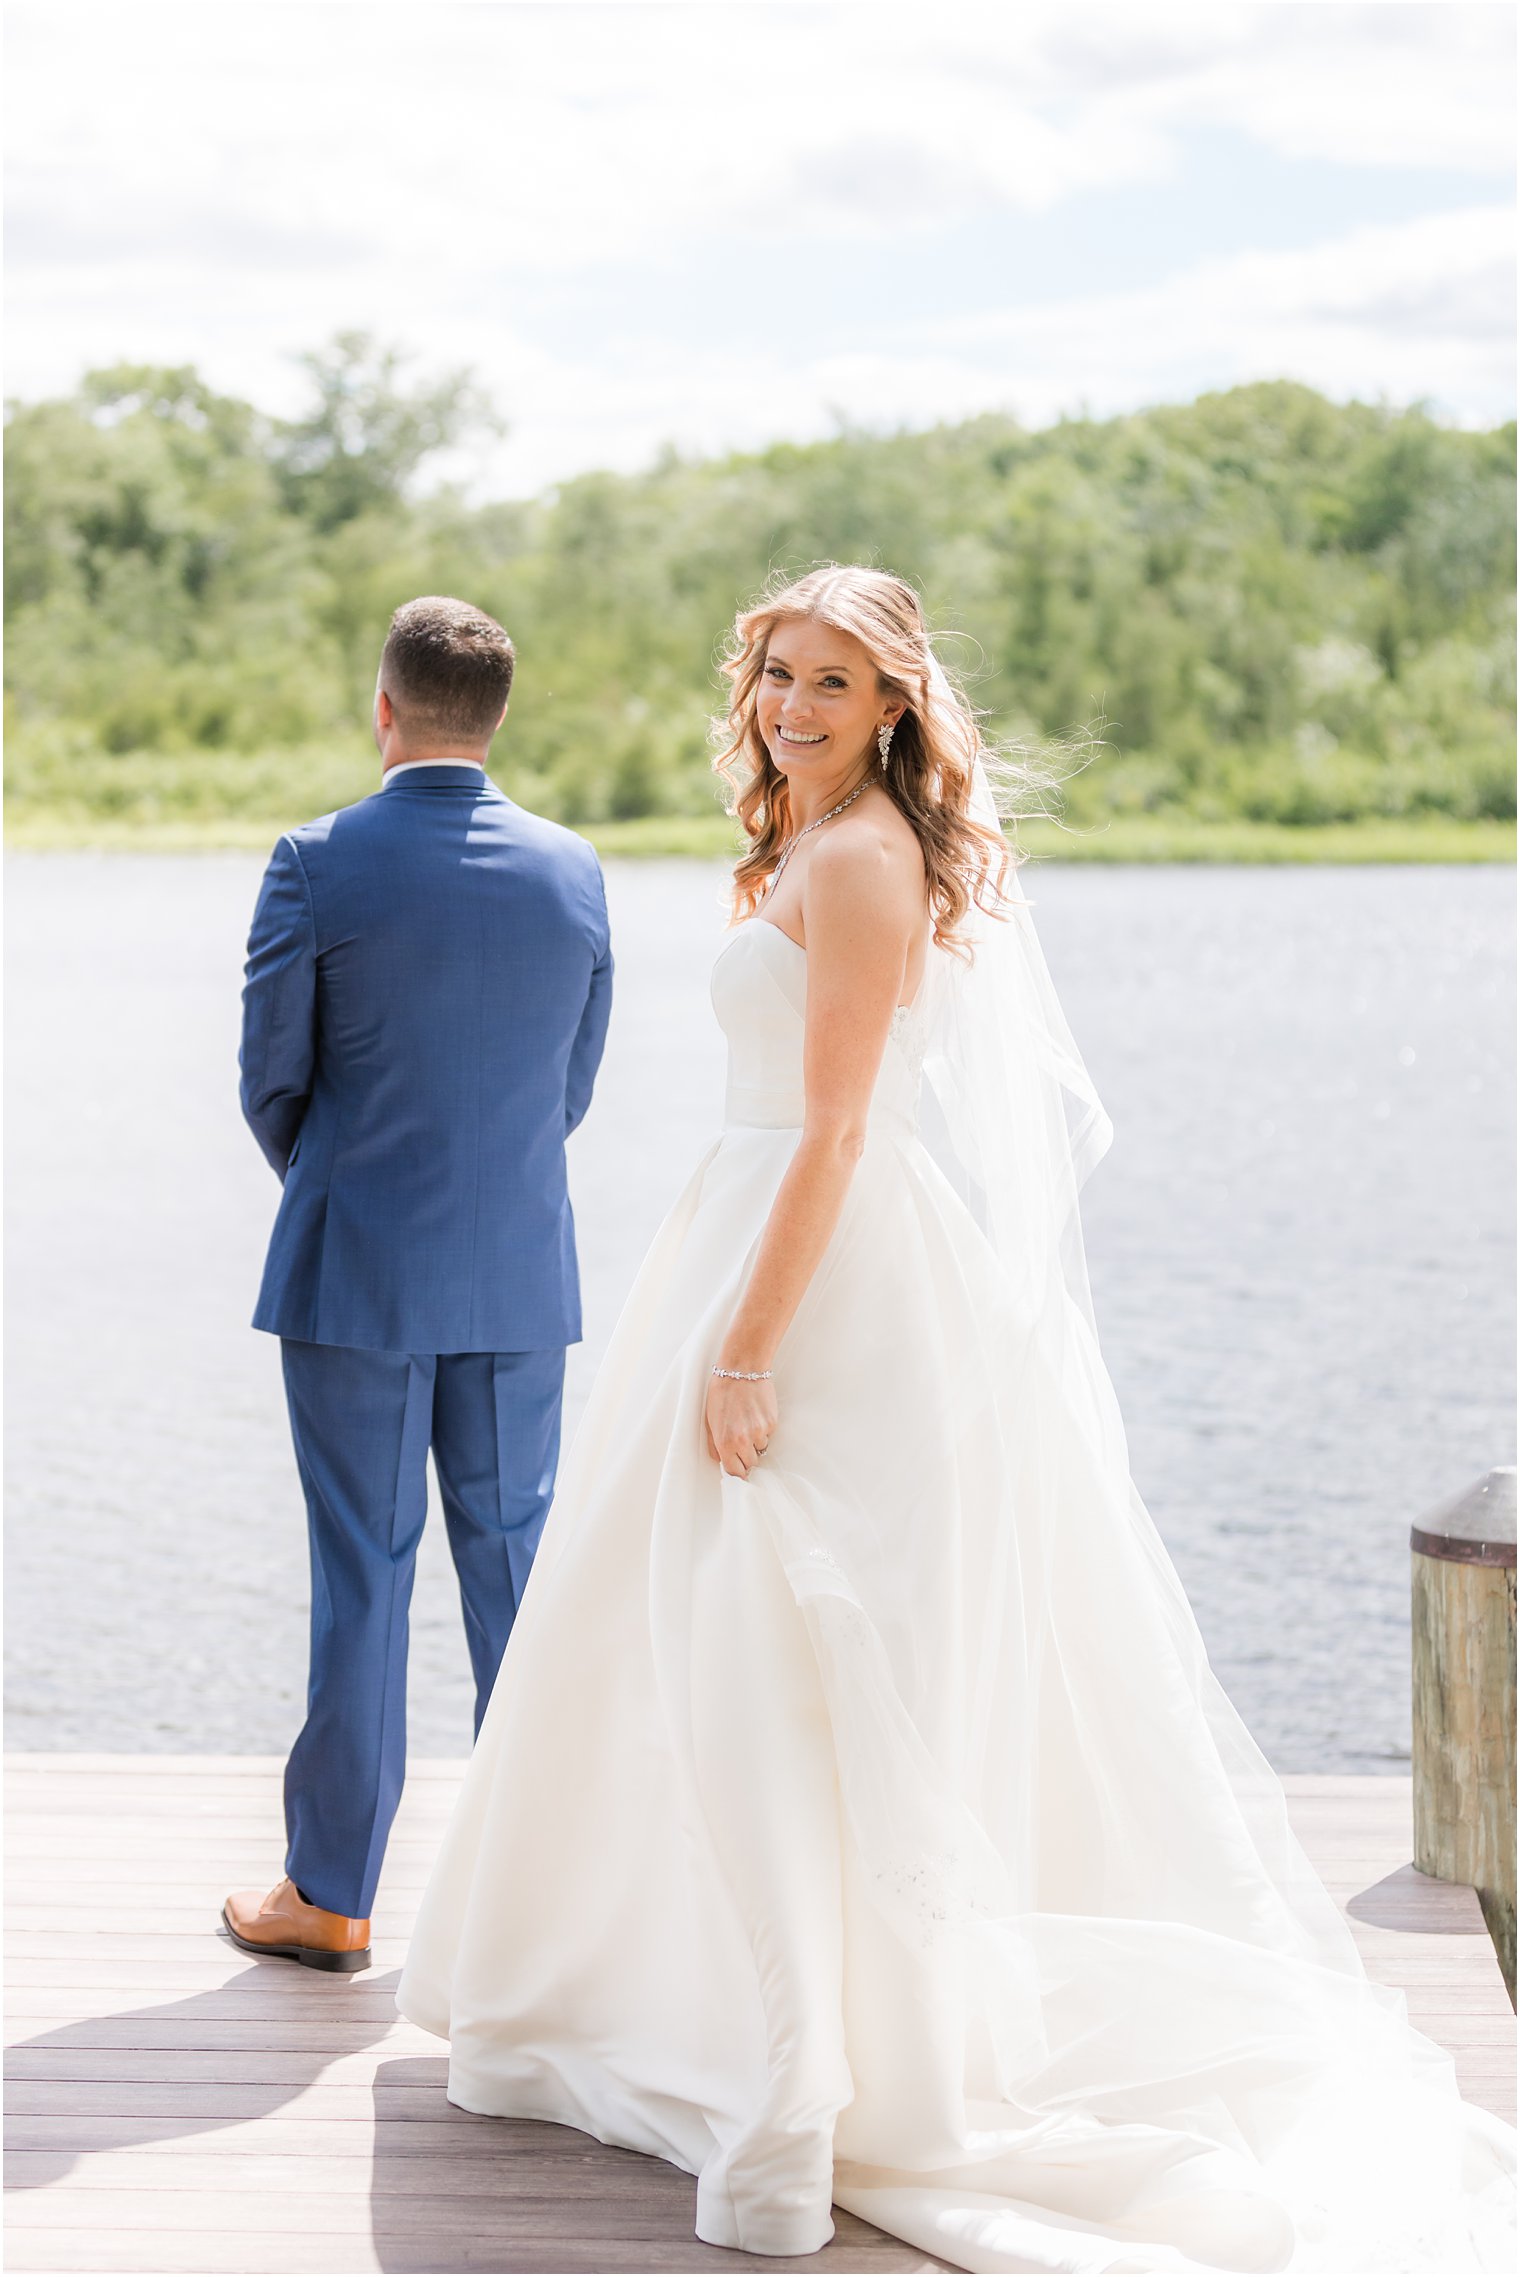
(759, 992)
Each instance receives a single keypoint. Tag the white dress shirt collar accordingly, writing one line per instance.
(407, 766)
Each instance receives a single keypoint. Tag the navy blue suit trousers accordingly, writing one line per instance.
(363, 1423)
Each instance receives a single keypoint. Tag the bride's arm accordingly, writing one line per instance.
(862, 909)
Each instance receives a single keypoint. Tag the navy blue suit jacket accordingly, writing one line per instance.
(428, 983)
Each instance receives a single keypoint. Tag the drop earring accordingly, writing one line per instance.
(884, 741)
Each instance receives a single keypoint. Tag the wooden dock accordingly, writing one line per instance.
(177, 2107)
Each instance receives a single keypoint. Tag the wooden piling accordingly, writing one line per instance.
(1463, 1663)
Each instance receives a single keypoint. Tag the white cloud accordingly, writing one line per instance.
(1382, 311)
(1395, 313)
(568, 133)
(1378, 85)
(227, 183)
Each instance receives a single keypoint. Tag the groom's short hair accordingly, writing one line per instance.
(447, 668)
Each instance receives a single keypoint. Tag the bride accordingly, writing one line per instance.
(856, 1819)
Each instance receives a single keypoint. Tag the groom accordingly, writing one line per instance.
(428, 985)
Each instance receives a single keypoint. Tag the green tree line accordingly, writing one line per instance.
(1284, 610)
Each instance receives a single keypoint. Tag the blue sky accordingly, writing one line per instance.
(718, 223)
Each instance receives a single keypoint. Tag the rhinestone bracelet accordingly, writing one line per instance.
(745, 1375)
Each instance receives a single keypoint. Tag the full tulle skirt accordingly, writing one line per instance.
(872, 1831)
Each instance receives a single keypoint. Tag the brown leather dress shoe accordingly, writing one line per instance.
(284, 1924)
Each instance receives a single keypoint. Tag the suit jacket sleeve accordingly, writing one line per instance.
(591, 1036)
(278, 1053)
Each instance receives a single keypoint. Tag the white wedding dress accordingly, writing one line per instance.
(872, 1830)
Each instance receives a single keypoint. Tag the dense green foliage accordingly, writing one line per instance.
(1285, 610)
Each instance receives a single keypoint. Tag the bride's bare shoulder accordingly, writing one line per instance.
(874, 852)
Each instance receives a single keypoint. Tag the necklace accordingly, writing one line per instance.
(798, 835)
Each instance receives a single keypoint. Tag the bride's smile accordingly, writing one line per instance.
(819, 706)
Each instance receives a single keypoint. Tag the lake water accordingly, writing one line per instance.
(1301, 1251)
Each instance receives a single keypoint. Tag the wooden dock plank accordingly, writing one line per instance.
(605, 2231)
(81, 2102)
(177, 2107)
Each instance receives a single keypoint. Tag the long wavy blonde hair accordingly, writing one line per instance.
(929, 771)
